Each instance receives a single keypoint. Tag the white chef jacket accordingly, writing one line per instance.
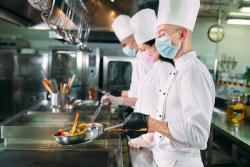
(150, 84)
(140, 69)
(186, 102)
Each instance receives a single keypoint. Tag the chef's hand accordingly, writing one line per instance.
(113, 99)
(135, 121)
(137, 142)
(135, 134)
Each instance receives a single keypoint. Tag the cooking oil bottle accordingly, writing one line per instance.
(235, 106)
(247, 112)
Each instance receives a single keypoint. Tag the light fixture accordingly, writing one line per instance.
(244, 9)
(238, 21)
(112, 0)
(239, 14)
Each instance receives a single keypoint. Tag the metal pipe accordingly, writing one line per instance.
(217, 43)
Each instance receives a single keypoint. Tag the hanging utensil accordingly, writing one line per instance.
(42, 5)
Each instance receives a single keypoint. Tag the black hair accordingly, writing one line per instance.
(151, 43)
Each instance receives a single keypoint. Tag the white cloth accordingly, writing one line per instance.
(178, 12)
(121, 27)
(186, 102)
(144, 24)
(150, 86)
(175, 160)
(140, 69)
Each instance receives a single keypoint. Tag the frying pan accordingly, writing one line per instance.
(94, 131)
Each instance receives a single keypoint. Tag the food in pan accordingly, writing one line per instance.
(92, 93)
(78, 131)
(75, 130)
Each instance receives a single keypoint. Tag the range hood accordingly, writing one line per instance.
(102, 13)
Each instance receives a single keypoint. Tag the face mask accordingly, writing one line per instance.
(128, 51)
(146, 56)
(165, 48)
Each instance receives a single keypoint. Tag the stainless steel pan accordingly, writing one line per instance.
(94, 131)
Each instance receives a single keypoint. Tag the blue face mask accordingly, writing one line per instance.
(128, 51)
(165, 48)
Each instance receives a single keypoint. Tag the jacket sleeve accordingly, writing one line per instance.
(196, 93)
(132, 92)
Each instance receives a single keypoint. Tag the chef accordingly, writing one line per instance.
(124, 33)
(144, 25)
(186, 100)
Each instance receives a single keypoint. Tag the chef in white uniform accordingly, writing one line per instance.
(124, 33)
(144, 24)
(186, 100)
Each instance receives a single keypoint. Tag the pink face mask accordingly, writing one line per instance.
(146, 57)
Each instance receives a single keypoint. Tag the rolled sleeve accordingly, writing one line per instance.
(177, 131)
(196, 94)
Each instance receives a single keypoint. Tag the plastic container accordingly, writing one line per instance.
(235, 106)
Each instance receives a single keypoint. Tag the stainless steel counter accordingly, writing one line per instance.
(32, 129)
(238, 133)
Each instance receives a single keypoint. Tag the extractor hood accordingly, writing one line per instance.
(102, 13)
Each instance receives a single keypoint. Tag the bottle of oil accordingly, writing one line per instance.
(247, 112)
(235, 106)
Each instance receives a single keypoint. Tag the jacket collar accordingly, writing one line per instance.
(157, 63)
(184, 59)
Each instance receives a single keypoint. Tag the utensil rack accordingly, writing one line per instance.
(73, 21)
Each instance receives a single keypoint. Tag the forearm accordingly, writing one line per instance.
(162, 128)
(129, 101)
(125, 94)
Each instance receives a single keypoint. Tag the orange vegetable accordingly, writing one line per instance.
(77, 116)
(83, 124)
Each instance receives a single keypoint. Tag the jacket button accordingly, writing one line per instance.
(159, 115)
(174, 73)
(160, 136)
(170, 73)
(157, 110)
(160, 90)
(163, 93)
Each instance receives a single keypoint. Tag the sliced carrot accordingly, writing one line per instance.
(77, 116)
(83, 124)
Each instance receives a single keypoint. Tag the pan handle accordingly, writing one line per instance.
(112, 127)
(121, 130)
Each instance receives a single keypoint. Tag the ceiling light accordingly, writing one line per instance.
(112, 0)
(244, 9)
(238, 21)
(239, 14)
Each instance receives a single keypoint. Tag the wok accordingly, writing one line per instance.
(94, 131)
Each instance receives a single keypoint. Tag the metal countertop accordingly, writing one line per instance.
(109, 149)
(238, 132)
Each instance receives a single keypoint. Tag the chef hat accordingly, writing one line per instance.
(121, 27)
(144, 25)
(178, 12)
